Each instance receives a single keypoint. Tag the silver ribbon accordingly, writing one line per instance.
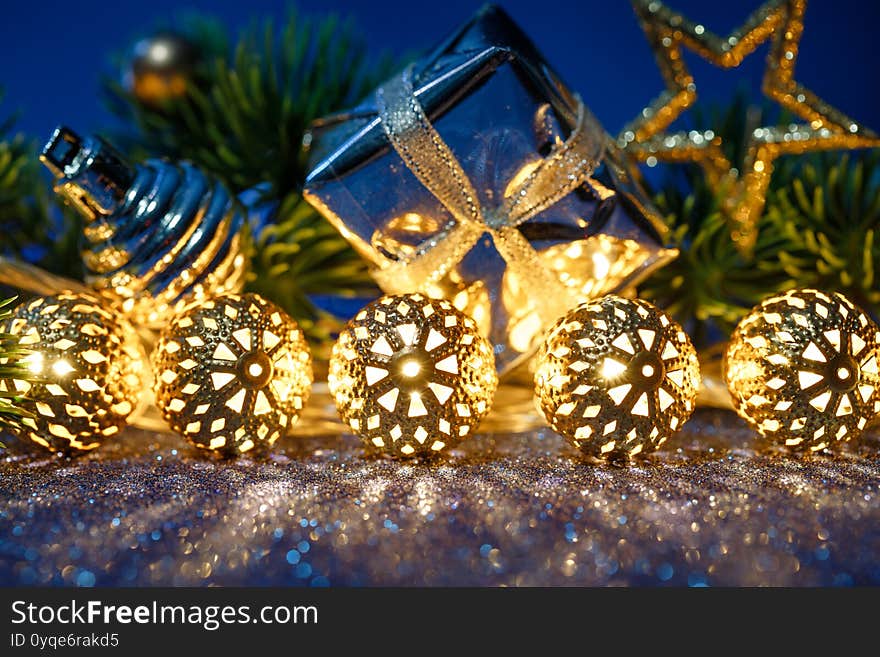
(431, 160)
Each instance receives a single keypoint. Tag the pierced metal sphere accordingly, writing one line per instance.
(802, 369)
(232, 373)
(616, 377)
(162, 67)
(88, 367)
(411, 375)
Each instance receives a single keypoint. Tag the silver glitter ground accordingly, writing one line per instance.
(507, 510)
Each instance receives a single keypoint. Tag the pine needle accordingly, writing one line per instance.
(11, 367)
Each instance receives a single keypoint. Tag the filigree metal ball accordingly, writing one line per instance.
(232, 374)
(616, 377)
(411, 375)
(88, 366)
(802, 369)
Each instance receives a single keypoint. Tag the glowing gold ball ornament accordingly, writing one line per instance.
(232, 374)
(412, 375)
(87, 366)
(616, 377)
(162, 68)
(802, 368)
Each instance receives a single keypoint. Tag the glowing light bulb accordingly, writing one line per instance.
(35, 363)
(62, 367)
(160, 52)
(601, 265)
(411, 368)
(612, 368)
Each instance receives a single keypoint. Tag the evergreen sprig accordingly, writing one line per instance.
(10, 366)
(243, 119)
(711, 283)
(829, 216)
(31, 227)
(817, 230)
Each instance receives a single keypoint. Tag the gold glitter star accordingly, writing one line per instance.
(825, 128)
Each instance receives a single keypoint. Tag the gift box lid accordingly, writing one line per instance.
(452, 69)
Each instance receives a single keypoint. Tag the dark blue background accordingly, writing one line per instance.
(53, 53)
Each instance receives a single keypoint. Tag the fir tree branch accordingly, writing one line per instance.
(33, 229)
(10, 367)
(829, 215)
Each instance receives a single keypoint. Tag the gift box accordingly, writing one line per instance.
(476, 175)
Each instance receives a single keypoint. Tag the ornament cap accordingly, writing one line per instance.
(90, 174)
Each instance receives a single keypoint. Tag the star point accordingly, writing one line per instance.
(824, 127)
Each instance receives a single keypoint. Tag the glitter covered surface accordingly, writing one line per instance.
(521, 509)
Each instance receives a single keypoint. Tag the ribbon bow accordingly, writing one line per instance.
(431, 160)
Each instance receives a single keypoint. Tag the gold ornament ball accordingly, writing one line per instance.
(87, 365)
(616, 377)
(802, 369)
(162, 67)
(412, 375)
(232, 373)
